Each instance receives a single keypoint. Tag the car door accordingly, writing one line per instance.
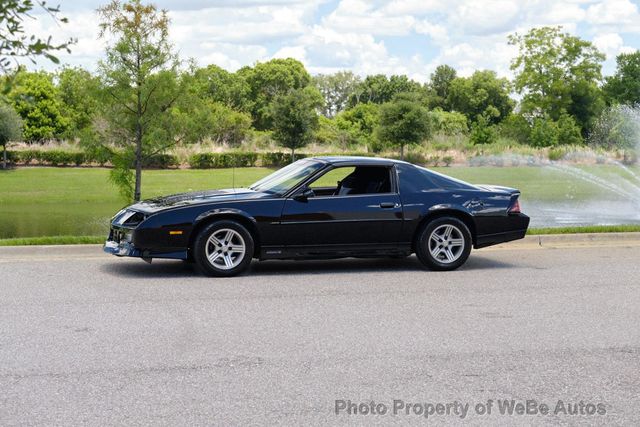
(345, 220)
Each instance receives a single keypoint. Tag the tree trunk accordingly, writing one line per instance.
(293, 155)
(139, 114)
(4, 156)
(138, 163)
(401, 151)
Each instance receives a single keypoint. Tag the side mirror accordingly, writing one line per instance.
(305, 195)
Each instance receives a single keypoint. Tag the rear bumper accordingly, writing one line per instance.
(515, 229)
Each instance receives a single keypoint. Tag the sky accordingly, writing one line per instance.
(409, 37)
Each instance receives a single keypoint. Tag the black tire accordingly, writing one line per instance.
(449, 254)
(227, 260)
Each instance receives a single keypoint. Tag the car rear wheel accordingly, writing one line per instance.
(444, 244)
(223, 249)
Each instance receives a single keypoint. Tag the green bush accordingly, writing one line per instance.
(201, 161)
(222, 160)
(277, 159)
(415, 158)
(447, 160)
(433, 161)
(26, 156)
(568, 131)
(160, 161)
(56, 157)
(448, 123)
(544, 133)
(482, 132)
(12, 156)
(97, 155)
(556, 153)
(515, 127)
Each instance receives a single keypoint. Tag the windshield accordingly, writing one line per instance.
(288, 177)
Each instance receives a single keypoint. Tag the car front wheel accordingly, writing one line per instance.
(223, 249)
(444, 244)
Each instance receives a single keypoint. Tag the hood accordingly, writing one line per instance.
(196, 197)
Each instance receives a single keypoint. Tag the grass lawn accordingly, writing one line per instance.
(42, 201)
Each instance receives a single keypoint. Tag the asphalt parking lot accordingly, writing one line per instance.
(91, 339)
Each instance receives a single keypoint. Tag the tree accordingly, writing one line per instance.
(569, 131)
(219, 85)
(15, 43)
(403, 121)
(204, 118)
(10, 129)
(140, 84)
(37, 101)
(267, 81)
(482, 131)
(544, 132)
(440, 83)
(379, 89)
(481, 95)
(624, 86)
(557, 73)
(361, 122)
(336, 90)
(79, 92)
(618, 127)
(449, 122)
(515, 127)
(295, 117)
(365, 116)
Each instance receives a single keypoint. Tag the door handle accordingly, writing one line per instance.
(389, 205)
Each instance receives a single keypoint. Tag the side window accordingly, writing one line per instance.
(413, 180)
(332, 178)
(350, 180)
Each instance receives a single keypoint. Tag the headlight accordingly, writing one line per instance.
(128, 235)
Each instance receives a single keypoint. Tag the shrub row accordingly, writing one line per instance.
(78, 158)
(49, 157)
(223, 160)
(161, 161)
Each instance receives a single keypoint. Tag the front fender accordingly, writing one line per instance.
(205, 216)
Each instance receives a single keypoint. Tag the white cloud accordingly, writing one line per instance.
(360, 16)
(485, 17)
(366, 36)
(611, 44)
(613, 12)
(438, 33)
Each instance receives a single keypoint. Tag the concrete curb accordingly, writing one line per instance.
(572, 240)
(543, 241)
(51, 251)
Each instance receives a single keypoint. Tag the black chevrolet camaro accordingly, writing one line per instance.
(320, 208)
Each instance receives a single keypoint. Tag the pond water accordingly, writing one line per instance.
(591, 212)
(50, 202)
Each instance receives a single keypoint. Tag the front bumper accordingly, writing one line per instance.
(120, 243)
(121, 249)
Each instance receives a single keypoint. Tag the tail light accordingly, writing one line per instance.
(515, 207)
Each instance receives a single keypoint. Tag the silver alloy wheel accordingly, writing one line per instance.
(225, 249)
(446, 243)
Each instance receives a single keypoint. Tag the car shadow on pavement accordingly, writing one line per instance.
(164, 268)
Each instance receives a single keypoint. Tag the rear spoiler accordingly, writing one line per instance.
(499, 189)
